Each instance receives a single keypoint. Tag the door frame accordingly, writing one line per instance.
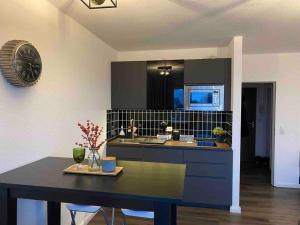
(273, 124)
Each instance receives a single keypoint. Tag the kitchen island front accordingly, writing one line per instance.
(208, 178)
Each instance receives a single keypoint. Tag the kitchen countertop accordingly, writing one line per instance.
(171, 144)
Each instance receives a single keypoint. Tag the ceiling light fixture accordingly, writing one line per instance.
(100, 4)
(164, 70)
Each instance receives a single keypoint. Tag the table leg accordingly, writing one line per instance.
(53, 211)
(174, 214)
(8, 208)
(165, 214)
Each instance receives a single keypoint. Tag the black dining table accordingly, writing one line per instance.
(147, 186)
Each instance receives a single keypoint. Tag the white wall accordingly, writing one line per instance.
(236, 53)
(195, 53)
(41, 120)
(284, 69)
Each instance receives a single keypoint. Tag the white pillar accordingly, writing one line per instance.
(236, 53)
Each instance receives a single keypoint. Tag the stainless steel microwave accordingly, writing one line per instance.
(204, 98)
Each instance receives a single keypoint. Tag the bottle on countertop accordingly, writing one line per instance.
(129, 131)
(176, 135)
(165, 132)
(163, 127)
(122, 133)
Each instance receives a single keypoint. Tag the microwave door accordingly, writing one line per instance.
(201, 98)
(204, 98)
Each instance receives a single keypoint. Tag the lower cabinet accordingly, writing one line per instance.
(208, 191)
(125, 153)
(208, 178)
(208, 181)
(164, 155)
(205, 169)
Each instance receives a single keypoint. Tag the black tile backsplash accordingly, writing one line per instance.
(198, 123)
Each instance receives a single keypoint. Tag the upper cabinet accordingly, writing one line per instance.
(129, 85)
(206, 71)
(165, 85)
(210, 71)
(159, 85)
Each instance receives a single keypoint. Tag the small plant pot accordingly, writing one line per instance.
(220, 139)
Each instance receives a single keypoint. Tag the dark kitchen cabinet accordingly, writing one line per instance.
(227, 84)
(208, 177)
(165, 83)
(207, 191)
(204, 71)
(129, 85)
(208, 72)
(162, 155)
(139, 85)
(208, 180)
(125, 153)
(145, 154)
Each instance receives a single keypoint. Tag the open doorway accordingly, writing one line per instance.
(257, 134)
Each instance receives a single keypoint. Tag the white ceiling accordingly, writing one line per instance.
(267, 25)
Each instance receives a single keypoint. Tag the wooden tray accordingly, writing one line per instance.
(84, 170)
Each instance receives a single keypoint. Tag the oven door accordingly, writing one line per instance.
(204, 98)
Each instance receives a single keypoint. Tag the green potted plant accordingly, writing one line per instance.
(219, 134)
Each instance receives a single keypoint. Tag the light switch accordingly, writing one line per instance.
(281, 131)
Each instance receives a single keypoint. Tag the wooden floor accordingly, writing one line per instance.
(261, 205)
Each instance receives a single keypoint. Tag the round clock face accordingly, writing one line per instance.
(28, 63)
(20, 63)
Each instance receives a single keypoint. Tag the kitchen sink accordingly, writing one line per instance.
(143, 141)
(123, 140)
(150, 141)
(206, 144)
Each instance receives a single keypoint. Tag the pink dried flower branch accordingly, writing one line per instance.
(91, 134)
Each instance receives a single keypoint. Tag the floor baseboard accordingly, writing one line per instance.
(235, 209)
(287, 185)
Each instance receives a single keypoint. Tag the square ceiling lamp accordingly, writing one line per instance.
(100, 4)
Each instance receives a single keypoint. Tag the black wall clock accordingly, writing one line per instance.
(20, 63)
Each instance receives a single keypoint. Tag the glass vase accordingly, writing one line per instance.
(93, 160)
